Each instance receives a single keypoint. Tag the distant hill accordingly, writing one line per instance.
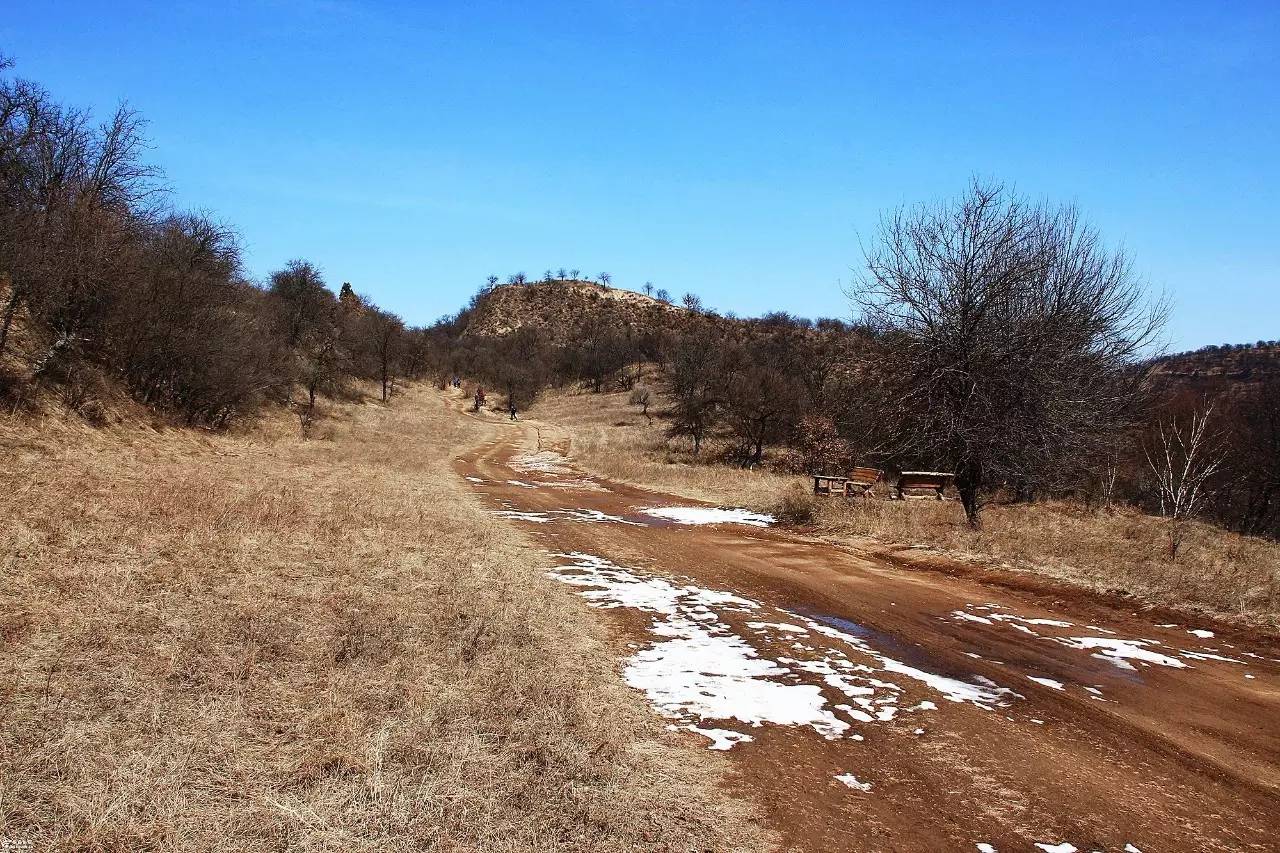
(560, 307)
(1218, 368)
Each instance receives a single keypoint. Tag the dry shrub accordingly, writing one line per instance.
(797, 506)
(251, 642)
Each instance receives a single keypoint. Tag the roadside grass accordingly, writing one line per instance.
(249, 642)
(1120, 550)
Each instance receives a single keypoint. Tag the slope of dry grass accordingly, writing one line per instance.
(251, 642)
(1217, 572)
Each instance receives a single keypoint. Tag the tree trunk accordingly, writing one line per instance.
(968, 484)
(9, 311)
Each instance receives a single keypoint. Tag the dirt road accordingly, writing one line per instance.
(872, 704)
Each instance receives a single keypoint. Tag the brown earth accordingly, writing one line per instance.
(1157, 757)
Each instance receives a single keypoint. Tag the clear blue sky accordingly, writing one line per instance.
(732, 149)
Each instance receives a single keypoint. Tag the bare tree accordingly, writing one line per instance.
(692, 302)
(605, 278)
(648, 288)
(560, 273)
(491, 280)
(662, 295)
(1185, 456)
(1014, 333)
(641, 396)
(573, 274)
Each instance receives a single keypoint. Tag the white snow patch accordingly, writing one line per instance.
(701, 671)
(1120, 652)
(1047, 682)
(1207, 656)
(985, 848)
(535, 517)
(1201, 633)
(1129, 848)
(709, 515)
(781, 626)
(474, 479)
(1064, 847)
(722, 740)
(522, 484)
(852, 781)
(542, 461)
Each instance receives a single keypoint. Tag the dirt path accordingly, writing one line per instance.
(869, 706)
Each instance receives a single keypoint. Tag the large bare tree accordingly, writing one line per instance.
(1013, 330)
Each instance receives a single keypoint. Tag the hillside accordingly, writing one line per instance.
(560, 306)
(245, 641)
(1217, 368)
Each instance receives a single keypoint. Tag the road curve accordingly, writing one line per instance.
(870, 704)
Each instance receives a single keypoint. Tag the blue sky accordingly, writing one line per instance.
(738, 150)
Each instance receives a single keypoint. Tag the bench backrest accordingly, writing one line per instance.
(865, 476)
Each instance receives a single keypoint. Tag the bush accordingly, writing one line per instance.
(797, 506)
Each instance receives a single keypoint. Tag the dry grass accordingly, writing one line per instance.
(255, 643)
(1217, 573)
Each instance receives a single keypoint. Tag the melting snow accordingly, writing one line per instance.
(542, 461)
(722, 739)
(1201, 633)
(709, 515)
(700, 669)
(852, 781)
(1064, 847)
(985, 848)
(1120, 652)
(1047, 682)
(475, 479)
(522, 484)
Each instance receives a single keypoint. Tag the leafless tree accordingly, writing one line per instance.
(641, 396)
(692, 302)
(573, 274)
(648, 288)
(662, 295)
(1185, 457)
(560, 274)
(1014, 332)
(605, 278)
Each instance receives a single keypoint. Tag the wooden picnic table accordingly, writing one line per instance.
(923, 484)
(856, 483)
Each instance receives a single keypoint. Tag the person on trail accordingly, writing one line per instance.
(479, 399)
(513, 410)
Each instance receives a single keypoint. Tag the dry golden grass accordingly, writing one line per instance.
(1217, 572)
(249, 642)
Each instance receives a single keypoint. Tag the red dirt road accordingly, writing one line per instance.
(1132, 734)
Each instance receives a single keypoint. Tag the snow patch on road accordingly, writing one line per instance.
(851, 781)
(542, 462)
(1120, 652)
(709, 515)
(701, 669)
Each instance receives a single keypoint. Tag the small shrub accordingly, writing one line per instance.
(797, 506)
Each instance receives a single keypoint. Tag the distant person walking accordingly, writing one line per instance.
(513, 409)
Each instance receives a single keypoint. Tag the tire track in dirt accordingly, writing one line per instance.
(871, 706)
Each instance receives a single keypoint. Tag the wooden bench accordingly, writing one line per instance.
(828, 485)
(923, 484)
(860, 481)
(856, 484)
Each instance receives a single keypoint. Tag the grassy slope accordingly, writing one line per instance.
(249, 642)
(1122, 551)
